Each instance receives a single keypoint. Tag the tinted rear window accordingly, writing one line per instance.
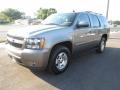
(95, 21)
(103, 21)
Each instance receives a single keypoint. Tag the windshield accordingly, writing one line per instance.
(65, 19)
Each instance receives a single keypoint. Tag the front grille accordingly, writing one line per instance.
(15, 41)
(17, 45)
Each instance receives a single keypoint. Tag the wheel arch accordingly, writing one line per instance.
(67, 44)
(105, 36)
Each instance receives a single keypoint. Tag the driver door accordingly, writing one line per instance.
(82, 34)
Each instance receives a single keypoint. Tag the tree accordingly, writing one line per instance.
(4, 18)
(51, 11)
(13, 13)
(43, 13)
(116, 22)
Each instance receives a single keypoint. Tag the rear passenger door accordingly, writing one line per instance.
(95, 27)
(104, 25)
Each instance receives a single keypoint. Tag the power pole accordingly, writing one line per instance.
(107, 12)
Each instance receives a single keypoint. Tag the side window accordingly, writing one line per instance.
(103, 21)
(84, 18)
(95, 21)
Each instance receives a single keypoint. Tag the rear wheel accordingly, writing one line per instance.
(59, 59)
(102, 45)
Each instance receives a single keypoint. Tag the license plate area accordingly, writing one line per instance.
(13, 59)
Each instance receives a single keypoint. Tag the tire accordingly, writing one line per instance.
(59, 59)
(101, 46)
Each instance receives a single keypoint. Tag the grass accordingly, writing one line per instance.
(2, 39)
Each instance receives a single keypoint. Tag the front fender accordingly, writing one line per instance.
(53, 38)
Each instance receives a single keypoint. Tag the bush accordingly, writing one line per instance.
(4, 19)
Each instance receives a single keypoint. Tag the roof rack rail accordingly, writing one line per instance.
(93, 12)
(88, 11)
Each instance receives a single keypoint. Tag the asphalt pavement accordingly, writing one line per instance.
(87, 71)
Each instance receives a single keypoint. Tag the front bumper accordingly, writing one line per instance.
(29, 57)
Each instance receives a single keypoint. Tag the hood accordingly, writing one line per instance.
(29, 30)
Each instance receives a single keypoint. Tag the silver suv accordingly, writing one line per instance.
(51, 44)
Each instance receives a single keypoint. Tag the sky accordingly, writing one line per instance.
(31, 6)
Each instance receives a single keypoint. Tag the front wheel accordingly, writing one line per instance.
(102, 45)
(59, 59)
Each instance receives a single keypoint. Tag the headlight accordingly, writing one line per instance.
(35, 43)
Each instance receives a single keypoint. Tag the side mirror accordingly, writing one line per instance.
(82, 24)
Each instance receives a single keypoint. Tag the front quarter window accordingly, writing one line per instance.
(65, 19)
